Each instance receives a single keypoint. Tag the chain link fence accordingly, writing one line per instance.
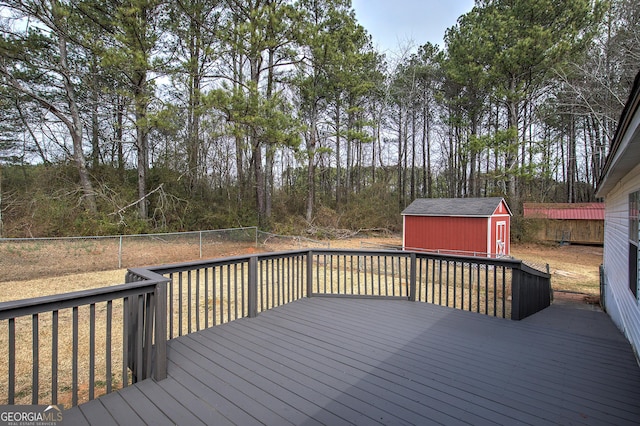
(31, 258)
(287, 242)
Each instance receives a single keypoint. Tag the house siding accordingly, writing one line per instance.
(620, 302)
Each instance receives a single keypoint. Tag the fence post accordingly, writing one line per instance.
(412, 278)
(309, 273)
(160, 367)
(516, 283)
(253, 287)
(120, 253)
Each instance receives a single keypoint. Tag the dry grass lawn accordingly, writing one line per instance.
(573, 268)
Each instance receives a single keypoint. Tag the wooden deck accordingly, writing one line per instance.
(361, 361)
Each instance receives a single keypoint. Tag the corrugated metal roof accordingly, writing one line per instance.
(575, 211)
(479, 207)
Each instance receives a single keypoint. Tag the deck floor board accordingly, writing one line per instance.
(362, 361)
(273, 379)
(501, 367)
(496, 371)
(218, 402)
(279, 361)
(373, 373)
(121, 412)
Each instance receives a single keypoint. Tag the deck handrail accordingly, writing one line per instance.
(142, 300)
(165, 301)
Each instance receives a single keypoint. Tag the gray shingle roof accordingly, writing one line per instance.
(482, 207)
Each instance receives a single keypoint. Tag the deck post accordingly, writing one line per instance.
(253, 287)
(309, 273)
(603, 289)
(412, 278)
(516, 283)
(149, 330)
(137, 325)
(160, 367)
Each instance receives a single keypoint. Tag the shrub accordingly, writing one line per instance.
(524, 230)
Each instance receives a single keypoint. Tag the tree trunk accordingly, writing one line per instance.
(451, 158)
(405, 159)
(338, 155)
(399, 177)
(193, 115)
(271, 148)
(95, 139)
(119, 135)
(473, 174)
(256, 147)
(412, 184)
(425, 126)
(347, 170)
(75, 126)
(142, 147)
(1, 222)
(429, 173)
(311, 173)
(259, 179)
(571, 162)
(238, 76)
(143, 161)
(510, 157)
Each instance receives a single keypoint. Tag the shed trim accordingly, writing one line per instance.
(404, 226)
(489, 240)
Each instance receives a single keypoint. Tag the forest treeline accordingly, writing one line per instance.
(139, 115)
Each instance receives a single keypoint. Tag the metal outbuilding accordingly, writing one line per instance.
(469, 226)
(580, 223)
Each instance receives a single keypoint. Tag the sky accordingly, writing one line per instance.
(397, 24)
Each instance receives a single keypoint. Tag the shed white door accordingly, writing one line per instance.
(501, 235)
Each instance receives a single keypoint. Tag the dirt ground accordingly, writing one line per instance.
(574, 268)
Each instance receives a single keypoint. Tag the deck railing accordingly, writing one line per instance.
(499, 287)
(136, 319)
(76, 343)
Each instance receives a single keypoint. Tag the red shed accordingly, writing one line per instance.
(474, 226)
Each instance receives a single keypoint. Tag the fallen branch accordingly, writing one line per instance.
(123, 209)
(341, 233)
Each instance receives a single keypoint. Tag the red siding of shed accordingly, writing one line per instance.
(467, 234)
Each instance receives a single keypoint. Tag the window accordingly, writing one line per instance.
(634, 239)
